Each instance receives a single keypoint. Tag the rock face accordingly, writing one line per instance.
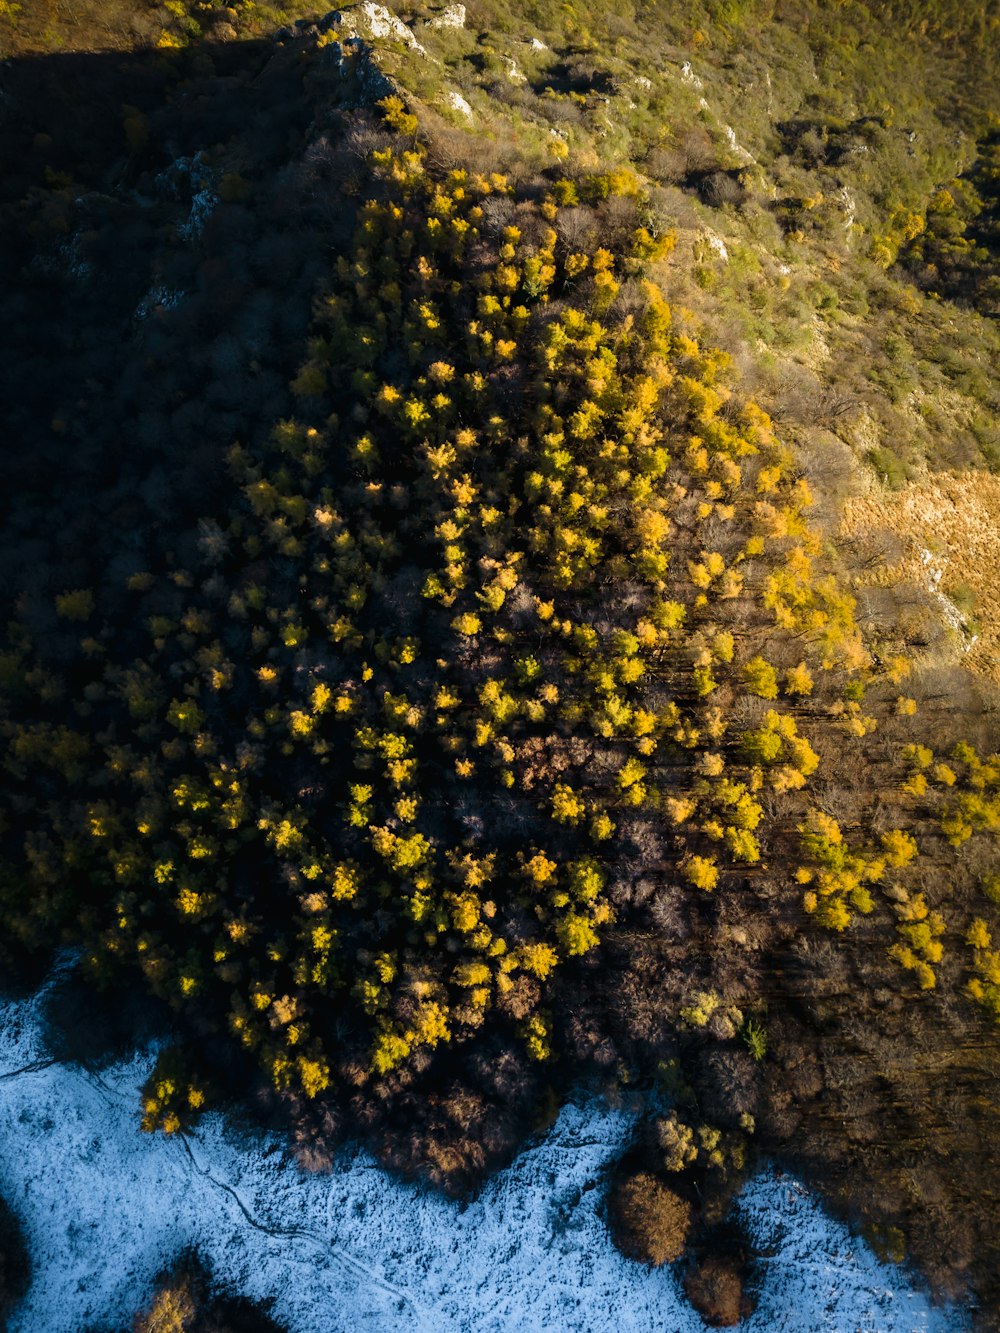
(373, 22)
(452, 16)
(351, 56)
(458, 103)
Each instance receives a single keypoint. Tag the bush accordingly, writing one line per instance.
(184, 1302)
(650, 1222)
(715, 1289)
(889, 469)
(720, 188)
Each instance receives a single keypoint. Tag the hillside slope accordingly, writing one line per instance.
(498, 579)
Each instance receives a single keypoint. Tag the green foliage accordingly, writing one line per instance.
(755, 1039)
(838, 877)
(420, 928)
(362, 786)
(521, 613)
(76, 605)
(888, 468)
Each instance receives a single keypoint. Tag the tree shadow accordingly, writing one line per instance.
(165, 218)
(93, 1028)
(15, 1265)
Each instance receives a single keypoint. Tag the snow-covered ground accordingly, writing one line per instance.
(104, 1207)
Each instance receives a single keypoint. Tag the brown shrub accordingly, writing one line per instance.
(715, 1289)
(650, 1222)
(719, 188)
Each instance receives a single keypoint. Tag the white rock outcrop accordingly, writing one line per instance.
(736, 146)
(717, 245)
(457, 102)
(373, 22)
(452, 16)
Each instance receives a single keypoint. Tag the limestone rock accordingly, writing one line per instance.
(452, 16)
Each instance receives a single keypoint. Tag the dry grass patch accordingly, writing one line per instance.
(950, 527)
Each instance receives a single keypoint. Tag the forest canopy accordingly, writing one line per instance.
(536, 487)
(510, 716)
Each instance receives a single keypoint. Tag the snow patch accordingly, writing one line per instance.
(104, 1207)
(190, 174)
(203, 205)
(76, 266)
(66, 261)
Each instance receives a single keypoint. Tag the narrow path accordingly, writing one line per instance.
(33, 1068)
(362, 1252)
(347, 1261)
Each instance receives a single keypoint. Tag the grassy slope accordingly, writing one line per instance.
(804, 292)
(31, 27)
(835, 127)
(795, 147)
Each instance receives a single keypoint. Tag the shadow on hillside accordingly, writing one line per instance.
(165, 219)
(93, 1029)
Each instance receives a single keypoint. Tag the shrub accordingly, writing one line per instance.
(185, 1302)
(650, 1221)
(714, 1286)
